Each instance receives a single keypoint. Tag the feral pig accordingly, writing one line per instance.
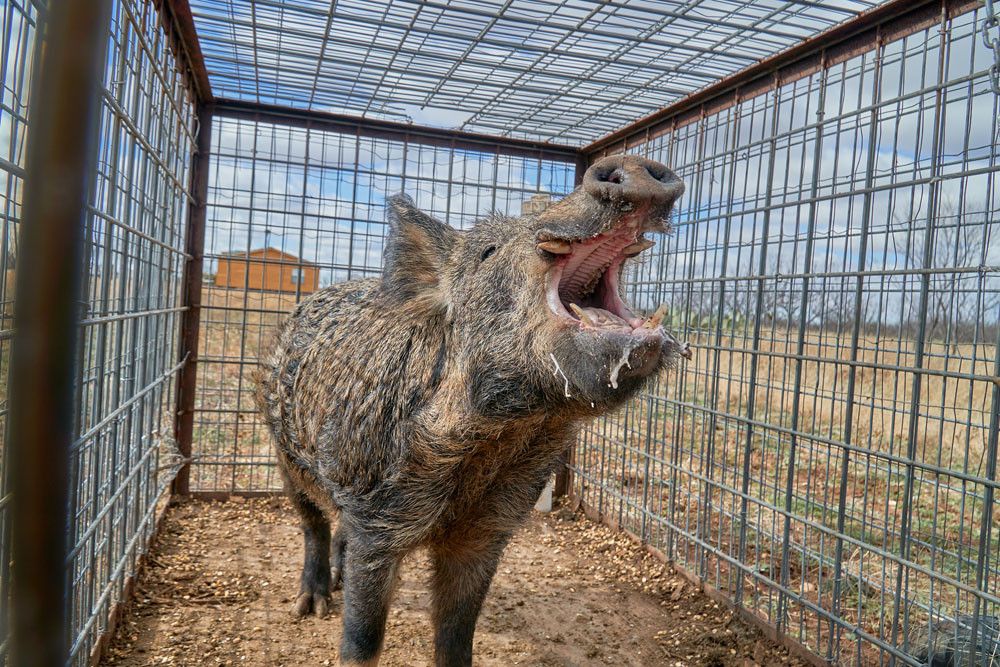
(427, 408)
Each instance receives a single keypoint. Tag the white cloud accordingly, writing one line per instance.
(435, 117)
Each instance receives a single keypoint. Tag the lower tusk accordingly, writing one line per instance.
(582, 314)
(656, 319)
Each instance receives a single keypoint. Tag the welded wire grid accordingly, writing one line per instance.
(828, 459)
(18, 24)
(134, 257)
(568, 72)
(286, 203)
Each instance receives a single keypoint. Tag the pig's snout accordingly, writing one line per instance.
(634, 180)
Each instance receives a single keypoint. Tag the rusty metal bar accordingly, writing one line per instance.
(891, 21)
(70, 49)
(190, 326)
(177, 20)
(369, 127)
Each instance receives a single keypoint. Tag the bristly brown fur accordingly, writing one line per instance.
(422, 407)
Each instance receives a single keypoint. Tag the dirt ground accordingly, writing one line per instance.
(219, 585)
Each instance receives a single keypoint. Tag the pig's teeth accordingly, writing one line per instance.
(582, 314)
(588, 288)
(638, 246)
(556, 247)
(656, 318)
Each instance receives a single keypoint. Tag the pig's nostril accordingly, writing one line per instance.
(660, 174)
(609, 175)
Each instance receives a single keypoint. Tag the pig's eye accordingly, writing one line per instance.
(487, 253)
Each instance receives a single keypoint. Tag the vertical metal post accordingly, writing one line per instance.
(70, 50)
(986, 520)
(800, 348)
(933, 188)
(755, 352)
(728, 190)
(833, 645)
(704, 518)
(190, 323)
(354, 200)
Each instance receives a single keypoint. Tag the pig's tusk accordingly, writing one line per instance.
(638, 246)
(556, 247)
(657, 318)
(582, 314)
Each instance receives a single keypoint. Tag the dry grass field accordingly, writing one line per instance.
(700, 445)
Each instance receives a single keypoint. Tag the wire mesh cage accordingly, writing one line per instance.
(827, 461)
(129, 312)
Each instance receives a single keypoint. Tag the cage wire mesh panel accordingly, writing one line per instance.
(828, 459)
(292, 210)
(569, 72)
(128, 356)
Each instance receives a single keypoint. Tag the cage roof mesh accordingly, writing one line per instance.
(567, 71)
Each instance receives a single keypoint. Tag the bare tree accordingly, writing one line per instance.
(958, 300)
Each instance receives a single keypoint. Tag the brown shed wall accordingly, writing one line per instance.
(269, 271)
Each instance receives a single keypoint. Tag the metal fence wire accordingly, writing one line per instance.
(826, 462)
(127, 359)
(18, 31)
(292, 210)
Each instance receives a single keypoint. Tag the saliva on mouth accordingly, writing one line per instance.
(582, 286)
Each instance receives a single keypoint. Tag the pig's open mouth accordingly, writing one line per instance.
(582, 285)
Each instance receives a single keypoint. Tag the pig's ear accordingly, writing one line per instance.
(416, 255)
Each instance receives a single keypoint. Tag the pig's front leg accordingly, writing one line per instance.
(369, 578)
(463, 570)
(314, 591)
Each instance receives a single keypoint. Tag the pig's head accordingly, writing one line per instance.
(534, 304)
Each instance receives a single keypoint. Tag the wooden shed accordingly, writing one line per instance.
(268, 270)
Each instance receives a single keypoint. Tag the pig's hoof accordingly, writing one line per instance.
(310, 602)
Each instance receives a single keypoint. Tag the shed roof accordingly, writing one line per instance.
(259, 251)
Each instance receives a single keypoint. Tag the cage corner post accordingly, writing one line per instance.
(191, 322)
(60, 169)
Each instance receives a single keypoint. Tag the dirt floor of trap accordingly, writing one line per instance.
(219, 584)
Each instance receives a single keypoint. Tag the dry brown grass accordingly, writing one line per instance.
(883, 393)
(945, 518)
(233, 446)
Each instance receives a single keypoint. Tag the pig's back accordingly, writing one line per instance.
(342, 381)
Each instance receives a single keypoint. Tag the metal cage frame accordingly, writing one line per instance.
(705, 466)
